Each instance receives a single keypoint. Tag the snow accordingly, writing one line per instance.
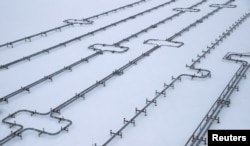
(174, 118)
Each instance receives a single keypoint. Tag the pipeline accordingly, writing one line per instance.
(198, 134)
(78, 38)
(203, 74)
(117, 72)
(70, 22)
(99, 51)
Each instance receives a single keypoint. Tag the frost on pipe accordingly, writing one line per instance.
(70, 22)
(164, 43)
(79, 38)
(78, 21)
(108, 48)
(186, 10)
(223, 6)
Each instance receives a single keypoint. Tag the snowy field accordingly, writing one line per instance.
(104, 108)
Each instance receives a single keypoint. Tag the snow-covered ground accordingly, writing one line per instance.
(174, 118)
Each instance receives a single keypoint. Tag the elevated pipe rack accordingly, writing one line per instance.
(21, 129)
(82, 94)
(239, 74)
(171, 44)
(63, 44)
(201, 73)
(223, 6)
(197, 22)
(127, 39)
(70, 22)
(178, 34)
(93, 47)
(112, 11)
(186, 10)
(212, 114)
(57, 110)
(222, 101)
